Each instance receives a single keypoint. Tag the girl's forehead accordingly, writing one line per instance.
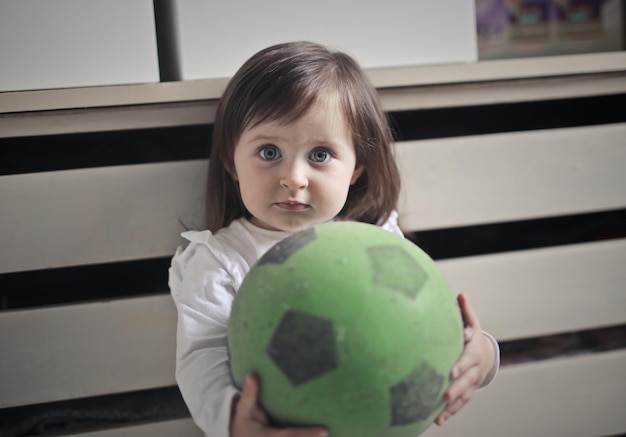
(325, 111)
(323, 122)
(325, 101)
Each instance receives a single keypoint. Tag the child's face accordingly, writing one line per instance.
(297, 175)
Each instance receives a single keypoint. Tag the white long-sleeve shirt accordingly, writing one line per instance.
(204, 278)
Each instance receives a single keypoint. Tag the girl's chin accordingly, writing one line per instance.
(286, 225)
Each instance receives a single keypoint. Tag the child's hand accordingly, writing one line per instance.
(249, 420)
(473, 366)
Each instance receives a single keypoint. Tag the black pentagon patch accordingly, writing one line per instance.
(394, 268)
(281, 251)
(303, 346)
(415, 397)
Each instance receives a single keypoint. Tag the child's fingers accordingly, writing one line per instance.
(466, 363)
(247, 397)
(459, 394)
(454, 408)
(467, 371)
(467, 383)
(249, 408)
(248, 400)
(470, 319)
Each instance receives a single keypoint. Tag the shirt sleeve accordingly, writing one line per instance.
(203, 297)
(496, 361)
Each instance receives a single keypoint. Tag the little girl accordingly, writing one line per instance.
(299, 139)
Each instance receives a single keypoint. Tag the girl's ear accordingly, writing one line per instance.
(358, 170)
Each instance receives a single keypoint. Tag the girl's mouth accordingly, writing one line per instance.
(292, 206)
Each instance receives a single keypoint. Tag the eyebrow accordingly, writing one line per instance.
(269, 138)
(276, 138)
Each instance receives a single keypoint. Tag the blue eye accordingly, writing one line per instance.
(320, 155)
(269, 153)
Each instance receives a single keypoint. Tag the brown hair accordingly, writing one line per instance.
(281, 83)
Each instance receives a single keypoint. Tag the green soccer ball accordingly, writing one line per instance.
(350, 327)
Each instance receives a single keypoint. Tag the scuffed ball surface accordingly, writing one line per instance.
(348, 326)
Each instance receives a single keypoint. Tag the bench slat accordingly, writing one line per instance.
(580, 396)
(512, 176)
(107, 119)
(75, 351)
(544, 291)
(97, 215)
(498, 92)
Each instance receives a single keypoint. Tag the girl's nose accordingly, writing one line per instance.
(294, 176)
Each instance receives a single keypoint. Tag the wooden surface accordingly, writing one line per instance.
(580, 396)
(83, 350)
(511, 176)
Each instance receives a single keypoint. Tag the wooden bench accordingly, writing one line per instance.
(72, 366)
